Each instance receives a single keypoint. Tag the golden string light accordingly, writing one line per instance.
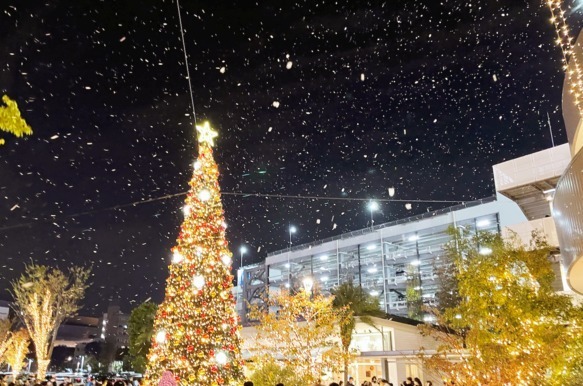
(571, 64)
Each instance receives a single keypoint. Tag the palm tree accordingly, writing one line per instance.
(355, 302)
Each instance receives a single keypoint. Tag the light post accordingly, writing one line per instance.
(372, 206)
(242, 250)
(292, 229)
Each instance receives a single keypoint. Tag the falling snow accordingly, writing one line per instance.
(340, 99)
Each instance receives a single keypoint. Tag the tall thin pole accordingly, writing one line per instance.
(289, 229)
(550, 129)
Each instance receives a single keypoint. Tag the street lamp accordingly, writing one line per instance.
(242, 250)
(372, 206)
(292, 229)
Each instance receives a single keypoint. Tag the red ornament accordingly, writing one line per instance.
(214, 369)
(190, 348)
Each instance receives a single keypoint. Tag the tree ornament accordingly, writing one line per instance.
(198, 282)
(161, 337)
(204, 195)
(221, 358)
(177, 257)
(226, 259)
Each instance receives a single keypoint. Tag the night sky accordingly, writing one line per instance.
(340, 98)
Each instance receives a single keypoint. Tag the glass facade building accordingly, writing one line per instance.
(385, 260)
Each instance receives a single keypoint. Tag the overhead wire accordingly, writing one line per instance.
(54, 218)
(186, 61)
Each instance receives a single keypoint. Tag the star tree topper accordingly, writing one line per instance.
(206, 133)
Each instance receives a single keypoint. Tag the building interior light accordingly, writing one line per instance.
(374, 293)
(483, 223)
(324, 257)
(413, 238)
(372, 270)
(371, 247)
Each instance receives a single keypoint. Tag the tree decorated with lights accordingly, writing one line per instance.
(302, 335)
(196, 330)
(5, 337)
(507, 325)
(43, 298)
(11, 120)
(16, 353)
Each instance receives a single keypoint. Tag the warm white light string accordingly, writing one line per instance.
(566, 42)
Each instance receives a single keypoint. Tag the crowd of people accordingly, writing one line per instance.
(373, 382)
(52, 381)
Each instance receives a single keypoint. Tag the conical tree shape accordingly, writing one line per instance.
(196, 331)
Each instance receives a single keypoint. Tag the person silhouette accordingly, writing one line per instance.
(167, 379)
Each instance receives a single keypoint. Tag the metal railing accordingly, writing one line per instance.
(406, 220)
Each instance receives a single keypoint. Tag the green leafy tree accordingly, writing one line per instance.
(11, 120)
(140, 331)
(352, 301)
(509, 325)
(413, 293)
(447, 295)
(43, 298)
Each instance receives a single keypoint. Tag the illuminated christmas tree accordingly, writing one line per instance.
(196, 331)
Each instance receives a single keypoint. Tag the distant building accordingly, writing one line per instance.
(113, 326)
(382, 260)
(4, 309)
(76, 330)
(530, 181)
